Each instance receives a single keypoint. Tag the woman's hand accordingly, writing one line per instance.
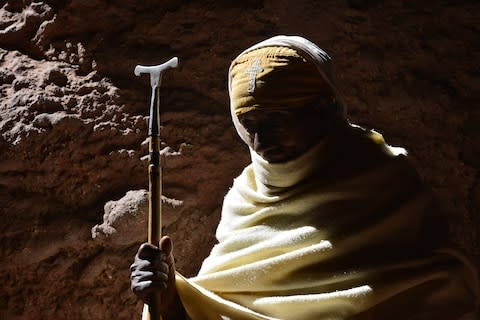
(153, 270)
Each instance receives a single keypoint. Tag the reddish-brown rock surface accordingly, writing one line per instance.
(73, 123)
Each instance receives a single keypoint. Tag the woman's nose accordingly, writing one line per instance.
(257, 142)
(261, 140)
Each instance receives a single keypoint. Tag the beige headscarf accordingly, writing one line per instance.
(274, 78)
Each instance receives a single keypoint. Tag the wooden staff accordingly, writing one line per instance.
(154, 169)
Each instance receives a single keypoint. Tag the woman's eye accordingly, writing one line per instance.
(247, 124)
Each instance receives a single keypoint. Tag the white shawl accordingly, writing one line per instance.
(342, 232)
(332, 247)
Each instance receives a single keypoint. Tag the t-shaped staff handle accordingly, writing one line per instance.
(156, 71)
(155, 81)
(151, 311)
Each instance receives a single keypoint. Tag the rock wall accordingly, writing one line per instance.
(73, 126)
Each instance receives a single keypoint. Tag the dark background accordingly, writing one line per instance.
(73, 119)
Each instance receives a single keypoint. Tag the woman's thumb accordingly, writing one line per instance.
(166, 245)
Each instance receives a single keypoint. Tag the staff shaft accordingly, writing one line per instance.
(155, 187)
(155, 172)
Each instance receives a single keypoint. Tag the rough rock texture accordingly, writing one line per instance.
(73, 126)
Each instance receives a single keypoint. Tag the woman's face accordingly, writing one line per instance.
(282, 135)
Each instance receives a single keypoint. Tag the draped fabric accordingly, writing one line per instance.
(310, 239)
(346, 231)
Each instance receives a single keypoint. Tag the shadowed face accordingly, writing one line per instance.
(282, 135)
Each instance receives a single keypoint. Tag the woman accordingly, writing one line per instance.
(327, 222)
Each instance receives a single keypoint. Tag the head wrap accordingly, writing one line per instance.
(274, 78)
(281, 72)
